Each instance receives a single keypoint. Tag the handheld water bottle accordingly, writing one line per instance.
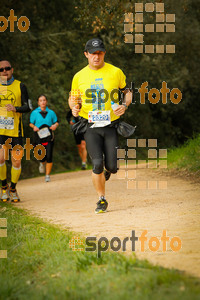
(114, 105)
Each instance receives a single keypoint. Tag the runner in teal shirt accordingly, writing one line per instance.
(44, 121)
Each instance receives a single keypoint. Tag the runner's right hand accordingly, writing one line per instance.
(35, 128)
(75, 110)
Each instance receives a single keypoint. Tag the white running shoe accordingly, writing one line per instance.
(84, 166)
(41, 168)
(47, 178)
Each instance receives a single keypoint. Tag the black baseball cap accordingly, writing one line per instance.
(94, 45)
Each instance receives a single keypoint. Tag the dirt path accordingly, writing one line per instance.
(69, 199)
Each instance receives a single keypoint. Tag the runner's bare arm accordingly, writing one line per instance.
(54, 126)
(75, 105)
(35, 128)
(128, 96)
(120, 110)
(75, 110)
(71, 102)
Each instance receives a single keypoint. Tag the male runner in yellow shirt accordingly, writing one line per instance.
(96, 85)
(13, 102)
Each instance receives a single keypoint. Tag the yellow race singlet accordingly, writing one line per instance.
(92, 84)
(9, 120)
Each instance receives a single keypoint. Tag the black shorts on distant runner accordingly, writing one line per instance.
(49, 152)
(79, 138)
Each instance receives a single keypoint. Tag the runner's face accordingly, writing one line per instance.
(42, 102)
(8, 74)
(96, 59)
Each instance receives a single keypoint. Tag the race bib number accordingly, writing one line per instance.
(6, 123)
(44, 132)
(99, 118)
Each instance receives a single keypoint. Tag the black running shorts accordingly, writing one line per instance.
(49, 152)
(14, 140)
(79, 138)
(102, 144)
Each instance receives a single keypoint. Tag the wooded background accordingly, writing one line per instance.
(47, 56)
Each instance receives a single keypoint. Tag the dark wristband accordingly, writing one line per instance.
(126, 107)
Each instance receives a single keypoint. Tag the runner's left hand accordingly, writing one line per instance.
(120, 110)
(75, 110)
(53, 127)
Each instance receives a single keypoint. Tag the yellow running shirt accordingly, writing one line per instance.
(95, 87)
(9, 120)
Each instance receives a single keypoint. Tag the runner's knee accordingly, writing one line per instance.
(2, 155)
(49, 157)
(97, 165)
(83, 144)
(49, 160)
(112, 167)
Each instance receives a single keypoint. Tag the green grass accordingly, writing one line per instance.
(40, 265)
(186, 157)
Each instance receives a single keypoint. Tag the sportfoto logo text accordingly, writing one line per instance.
(3, 234)
(23, 22)
(93, 244)
(154, 95)
(17, 152)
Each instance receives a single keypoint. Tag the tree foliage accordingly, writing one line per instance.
(47, 56)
